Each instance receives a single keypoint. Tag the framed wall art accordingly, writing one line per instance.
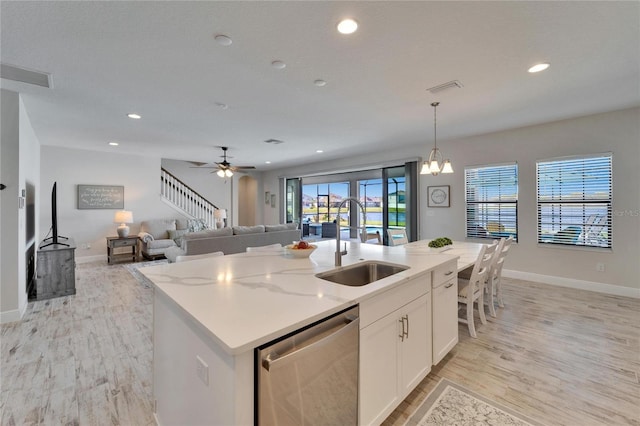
(273, 200)
(438, 196)
(100, 197)
(267, 197)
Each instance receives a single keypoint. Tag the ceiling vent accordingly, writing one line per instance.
(10, 72)
(445, 86)
(274, 141)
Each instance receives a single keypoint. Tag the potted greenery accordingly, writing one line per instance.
(440, 244)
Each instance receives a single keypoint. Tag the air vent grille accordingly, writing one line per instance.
(445, 86)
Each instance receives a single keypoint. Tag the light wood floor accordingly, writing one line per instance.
(560, 356)
(82, 359)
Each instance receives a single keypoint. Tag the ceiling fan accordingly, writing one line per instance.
(225, 169)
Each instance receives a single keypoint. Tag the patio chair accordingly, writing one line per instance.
(593, 229)
(371, 236)
(397, 237)
(568, 235)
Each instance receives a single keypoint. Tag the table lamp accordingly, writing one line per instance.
(220, 215)
(123, 217)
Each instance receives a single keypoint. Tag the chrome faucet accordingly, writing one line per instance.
(340, 253)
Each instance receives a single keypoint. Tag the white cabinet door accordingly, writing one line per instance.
(445, 319)
(415, 353)
(378, 369)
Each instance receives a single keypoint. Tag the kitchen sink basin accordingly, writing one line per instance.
(362, 273)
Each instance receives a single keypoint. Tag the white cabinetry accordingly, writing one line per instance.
(444, 310)
(395, 347)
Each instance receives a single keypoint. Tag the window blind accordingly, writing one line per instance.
(574, 201)
(492, 201)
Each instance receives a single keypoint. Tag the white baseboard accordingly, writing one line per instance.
(616, 290)
(13, 315)
(87, 259)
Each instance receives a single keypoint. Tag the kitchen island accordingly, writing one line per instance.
(210, 315)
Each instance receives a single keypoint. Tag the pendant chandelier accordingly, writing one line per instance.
(436, 163)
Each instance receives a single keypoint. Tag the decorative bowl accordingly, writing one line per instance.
(297, 253)
(441, 249)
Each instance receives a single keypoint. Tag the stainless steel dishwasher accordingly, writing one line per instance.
(310, 377)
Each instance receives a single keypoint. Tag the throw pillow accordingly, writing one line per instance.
(195, 225)
(240, 230)
(209, 233)
(158, 227)
(281, 227)
(176, 235)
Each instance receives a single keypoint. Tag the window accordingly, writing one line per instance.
(320, 202)
(492, 201)
(574, 201)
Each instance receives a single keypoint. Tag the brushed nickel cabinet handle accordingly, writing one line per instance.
(406, 317)
(449, 285)
(448, 273)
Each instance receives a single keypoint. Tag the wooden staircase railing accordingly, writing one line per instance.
(185, 199)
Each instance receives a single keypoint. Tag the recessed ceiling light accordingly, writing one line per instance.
(267, 162)
(319, 151)
(347, 26)
(134, 116)
(223, 40)
(114, 143)
(278, 65)
(320, 83)
(539, 67)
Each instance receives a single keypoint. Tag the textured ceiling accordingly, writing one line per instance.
(160, 59)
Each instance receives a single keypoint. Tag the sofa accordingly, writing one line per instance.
(158, 235)
(233, 240)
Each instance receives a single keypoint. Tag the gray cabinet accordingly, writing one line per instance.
(56, 270)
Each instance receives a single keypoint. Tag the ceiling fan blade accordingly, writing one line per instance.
(197, 163)
(243, 167)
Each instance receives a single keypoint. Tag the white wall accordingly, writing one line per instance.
(9, 218)
(223, 193)
(19, 164)
(203, 181)
(617, 132)
(29, 171)
(140, 176)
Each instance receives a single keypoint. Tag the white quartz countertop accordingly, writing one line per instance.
(248, 299)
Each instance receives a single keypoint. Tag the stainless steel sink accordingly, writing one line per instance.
(362, 273)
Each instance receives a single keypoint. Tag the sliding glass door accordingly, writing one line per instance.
(294, 201)
(388, 194)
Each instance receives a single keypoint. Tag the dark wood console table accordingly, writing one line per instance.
(56, 270)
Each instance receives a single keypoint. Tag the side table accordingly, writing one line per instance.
(117, 242)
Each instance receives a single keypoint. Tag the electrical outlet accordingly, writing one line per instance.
(600, 267)
(202, 370)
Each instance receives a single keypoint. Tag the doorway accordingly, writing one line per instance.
(247, 196)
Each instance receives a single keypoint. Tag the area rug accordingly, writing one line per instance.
(133, 270)
(452, 404)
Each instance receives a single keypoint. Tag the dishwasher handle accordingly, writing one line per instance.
(269, 362)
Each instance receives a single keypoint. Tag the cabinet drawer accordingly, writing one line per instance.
(383, 304)
(123, 243)
(445, 273)
(445, 319)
